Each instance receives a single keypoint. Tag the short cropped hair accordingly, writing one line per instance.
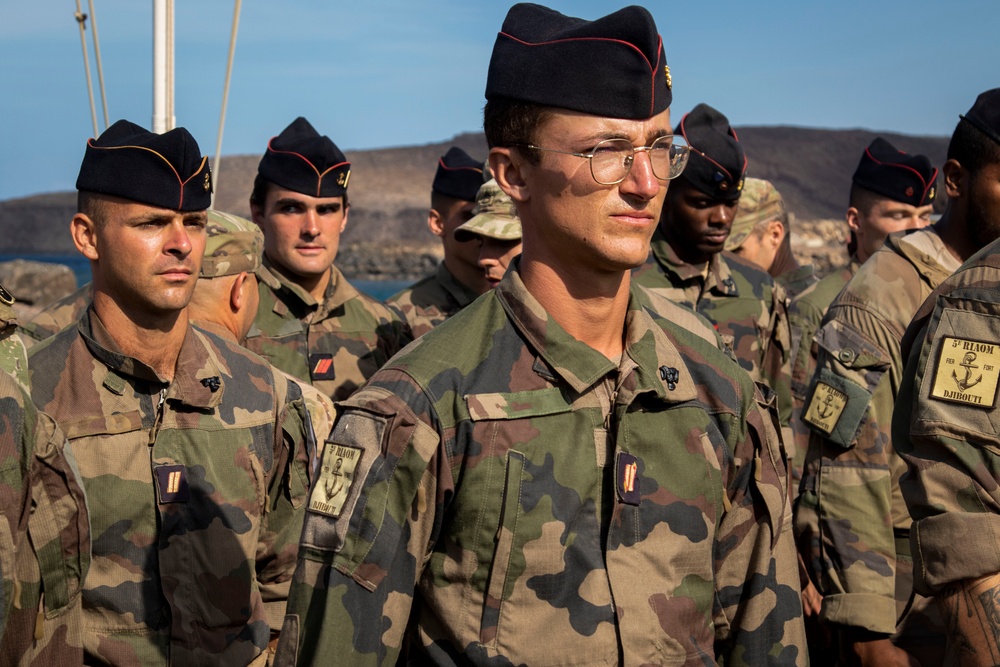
(864, 199)
(509, 122)
(972, 148)
(93, 205)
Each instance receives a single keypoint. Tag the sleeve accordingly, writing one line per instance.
(776, 367)
(946, 429)
(803, 320)
(759, 613)
(286, 495)
(850, 481)
(370, 524)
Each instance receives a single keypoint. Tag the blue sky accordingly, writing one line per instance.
(385, 73)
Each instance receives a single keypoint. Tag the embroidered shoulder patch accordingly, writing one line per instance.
(967, 372)
(825, 408)
(336, 475)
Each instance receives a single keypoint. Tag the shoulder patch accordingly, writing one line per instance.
(336, 475)
(825, 407)
(967, 372)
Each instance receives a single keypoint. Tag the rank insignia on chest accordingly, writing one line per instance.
(171, 484)
(627, 479)
(825, 408)
(321, 367)
(967, 372)
(336, 475)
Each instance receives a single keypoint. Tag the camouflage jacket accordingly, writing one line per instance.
(741, 300)
(195, 489)
(503, 494)
(805, 312)
(44, 535)
(336, 345)
(797, 280)
(57, 316)
(430, 301)
(851, 522)
(13, 356)
(945, 427)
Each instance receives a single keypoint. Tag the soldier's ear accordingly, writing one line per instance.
(775, 233)
(956, 178)
(236, 292)
(507, 165)
(435, 222)
(852, 216)
(85, 237)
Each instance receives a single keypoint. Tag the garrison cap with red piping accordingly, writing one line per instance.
(458, 175)
(717, 165)
(613, 66)
(302, 160)
(888, 171)
(162, 170)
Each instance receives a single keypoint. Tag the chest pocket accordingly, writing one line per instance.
(850, 368)
(536, 492)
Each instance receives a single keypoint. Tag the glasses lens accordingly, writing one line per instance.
(611, 161)
(669, 156)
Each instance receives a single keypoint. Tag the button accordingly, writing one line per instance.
(847, 355)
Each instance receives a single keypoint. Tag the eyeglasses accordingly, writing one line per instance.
(612, 159)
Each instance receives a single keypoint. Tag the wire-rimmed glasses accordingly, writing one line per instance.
(612, 159)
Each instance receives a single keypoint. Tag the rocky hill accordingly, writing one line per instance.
(390, 192)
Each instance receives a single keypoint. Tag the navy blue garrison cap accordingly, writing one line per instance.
(985, 114)
(301, 160)
(613, 66)
(163, 170)
(890, 172)
(458, 175)
(717, 165)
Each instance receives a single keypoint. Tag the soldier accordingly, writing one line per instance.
(891, 191)
(44, 525)
(689, 265)
(945, 420)
(458, 279)
(495, 229)
(315, 325)
(554, 475)
(761, 233)
(226, 296)
(851, 522)
(191, 449)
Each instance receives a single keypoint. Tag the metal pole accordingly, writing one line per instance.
(225, 96)
(159, 66)
(97, 57)
(171, 116)
(81, 19)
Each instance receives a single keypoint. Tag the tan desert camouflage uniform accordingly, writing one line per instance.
(196, 491)
(431, 300)
(851, 523)
(741, 300)
(56, 316)
(489, 500)
(336, 345)
(805, 312)
(946, 428)
(44, 526)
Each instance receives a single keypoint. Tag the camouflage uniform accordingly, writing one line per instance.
(431, 300)
(805, 312)
(13, 357)
(56, 316)
(507, 499)
(336, 345)
(748, 309)
(44, 526)
(797, 280)
(196, 490)
(945, 428)
(860, 559)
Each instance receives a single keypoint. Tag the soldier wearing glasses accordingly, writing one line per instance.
(556, 475)
(689, 265)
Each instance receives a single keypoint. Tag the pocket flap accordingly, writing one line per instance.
(517, 405)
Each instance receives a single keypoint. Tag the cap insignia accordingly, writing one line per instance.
(666, 71)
